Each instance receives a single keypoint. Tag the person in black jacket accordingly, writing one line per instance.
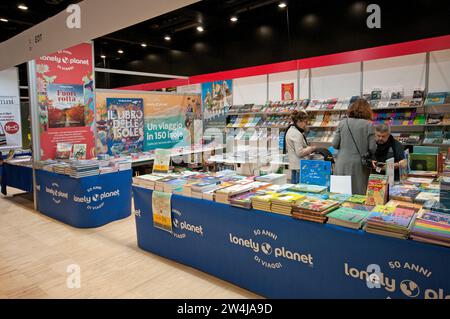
(387, 147)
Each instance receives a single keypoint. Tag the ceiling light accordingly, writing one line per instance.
(3, 20)
(167, 38)
(144, 45)
(22, 7)
(200, 29)
(282, 5)
(233, 19)
(103, 56)
(120, 51)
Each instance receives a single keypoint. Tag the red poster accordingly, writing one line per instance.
(66, 100)
(287, 92)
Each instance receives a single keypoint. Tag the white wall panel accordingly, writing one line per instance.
(337, 81)
(407, 72)
(439, 71)
(250, 90)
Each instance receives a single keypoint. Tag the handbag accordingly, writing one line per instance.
(366, 159)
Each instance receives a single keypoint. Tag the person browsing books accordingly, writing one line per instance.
(295, 144)
(355, 141)
(387, 147)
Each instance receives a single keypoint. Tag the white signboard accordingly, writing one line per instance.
(10, 124)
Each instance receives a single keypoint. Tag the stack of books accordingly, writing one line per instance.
(339, 197)
(174, 186)
(242, 200)
(223, 195)
(423, 197)
(392, 221)
(357, 206)
(264, 201)
(357, 199)
(306, 188)
(159, 184)
(146, 181)
(83, 168)
(61, 168)
(282, 204)
(404, 192)
(313, 209)
(348, 217)
(274, 179)
(432, 227)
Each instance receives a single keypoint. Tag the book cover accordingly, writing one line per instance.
(377, 190)
(423, 162)
(350, 215)
(315, 172)
(63, 151)
(435, 98)
(396, 216)
(78, 151)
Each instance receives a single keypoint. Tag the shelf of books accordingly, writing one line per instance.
(412, 119)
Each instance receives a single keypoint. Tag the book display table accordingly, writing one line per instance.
(280, 257)
(85, 202)
(17, 176)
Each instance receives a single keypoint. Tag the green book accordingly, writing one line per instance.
(348, 214)
(423, 162)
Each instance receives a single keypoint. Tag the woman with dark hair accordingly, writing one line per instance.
(354, 138)
(295, 144)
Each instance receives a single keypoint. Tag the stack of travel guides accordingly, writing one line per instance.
(404, 192)
(348, 217)
(282, 204)
(223, 195)
(432, 227)
(313, 209)
(274, 179)
(174, 186)
(391, 221)
(264, 201)
(377, 190)
(159, 184)
(146, 181)
(83, 168)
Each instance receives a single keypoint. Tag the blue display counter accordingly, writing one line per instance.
(281, 257)
(84, 202)
(17, 176)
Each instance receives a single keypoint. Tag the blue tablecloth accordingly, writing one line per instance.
(85, 202)
(280, 257)
(20, 177)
